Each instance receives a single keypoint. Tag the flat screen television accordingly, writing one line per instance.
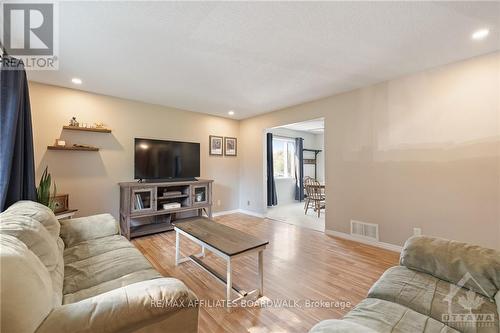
(166, 160)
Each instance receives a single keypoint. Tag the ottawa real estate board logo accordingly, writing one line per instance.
(30, 34)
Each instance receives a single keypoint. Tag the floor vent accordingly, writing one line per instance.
(364, 230)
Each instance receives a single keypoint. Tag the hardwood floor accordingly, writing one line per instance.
(299, 264)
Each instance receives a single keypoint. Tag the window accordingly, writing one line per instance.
(283, 158)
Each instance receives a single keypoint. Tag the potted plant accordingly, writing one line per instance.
(43, 195)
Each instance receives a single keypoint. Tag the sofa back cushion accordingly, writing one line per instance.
(34, 235)
(471, 266)
(25, 287)
(38, 212)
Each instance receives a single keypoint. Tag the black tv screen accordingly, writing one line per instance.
(158, 159)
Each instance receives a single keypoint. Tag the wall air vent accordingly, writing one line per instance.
(365, 230)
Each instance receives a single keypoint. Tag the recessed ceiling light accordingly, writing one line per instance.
(76, 80)
(231, 113)
(480, 34)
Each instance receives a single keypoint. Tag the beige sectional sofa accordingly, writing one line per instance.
(80, 275)
(440, 286)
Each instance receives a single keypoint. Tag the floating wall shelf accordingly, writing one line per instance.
(86, 129)
(72, 148)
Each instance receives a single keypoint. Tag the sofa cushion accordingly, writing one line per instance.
(74, 231)
(139, 307)
(57, 274)
(107, 266)
(474, 267)
(39, 212)
(97, 247)
(142, 275)
(25, 287)
(34, 235)
(94, 247)
(384, 316)
(340, 326)
(433, 297)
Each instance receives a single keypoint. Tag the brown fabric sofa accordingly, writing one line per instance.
(440, 286)
(80, 275)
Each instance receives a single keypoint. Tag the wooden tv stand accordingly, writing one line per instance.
(141, 205)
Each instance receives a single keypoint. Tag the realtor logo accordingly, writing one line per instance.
(30, 33)
(471, 303)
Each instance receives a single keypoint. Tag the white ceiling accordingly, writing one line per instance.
(255, 57)
(315, 126)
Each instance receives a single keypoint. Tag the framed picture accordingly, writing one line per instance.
(230, 146)
(60, 203)
(215, 145)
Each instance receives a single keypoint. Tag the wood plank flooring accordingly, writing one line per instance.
(300, 265)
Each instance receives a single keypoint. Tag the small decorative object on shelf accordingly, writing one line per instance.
(60, 203)
(230, 146)
(60, 143)
(99, 124)
(79, 145)
(73, 122)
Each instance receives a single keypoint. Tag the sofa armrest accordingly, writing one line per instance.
(74, 231)
(126, 309)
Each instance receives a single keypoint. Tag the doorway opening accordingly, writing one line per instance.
(295, 174)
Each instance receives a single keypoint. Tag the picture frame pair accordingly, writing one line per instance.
(219, 146)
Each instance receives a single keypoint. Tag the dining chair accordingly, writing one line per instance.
(315, 196)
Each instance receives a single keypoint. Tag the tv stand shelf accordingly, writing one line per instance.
(142, 209)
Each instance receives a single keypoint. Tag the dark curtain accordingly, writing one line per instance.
(17, 166)
(299, 169)
(272, 197)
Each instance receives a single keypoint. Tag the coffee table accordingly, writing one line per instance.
(225, 242)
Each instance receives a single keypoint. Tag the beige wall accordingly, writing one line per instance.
(419, 151)
(91, 178)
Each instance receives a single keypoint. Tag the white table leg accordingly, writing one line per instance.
(177, 249)
(261, 273)
(229, 283)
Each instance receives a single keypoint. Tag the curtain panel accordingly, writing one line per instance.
(272, 197)
(17, 165)
(299, 169)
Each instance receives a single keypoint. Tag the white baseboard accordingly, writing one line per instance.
(248, 212)
(387, 246)
(225, 212)
(240, 211)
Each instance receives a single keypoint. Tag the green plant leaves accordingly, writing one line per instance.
(43, 191)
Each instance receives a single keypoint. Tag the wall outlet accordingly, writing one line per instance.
(218, 202)
(417, 231)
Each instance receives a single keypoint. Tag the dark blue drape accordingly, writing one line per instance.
(272, 197)
(17, 166)
(299, 169)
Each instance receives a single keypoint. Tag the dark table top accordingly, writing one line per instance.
(225, 239)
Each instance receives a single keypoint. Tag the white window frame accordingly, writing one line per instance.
(285, 156)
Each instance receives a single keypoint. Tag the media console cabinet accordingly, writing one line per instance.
(142, 209)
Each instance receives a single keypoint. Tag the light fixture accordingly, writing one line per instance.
(76, 80)
(231, 113)
(480, 34)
